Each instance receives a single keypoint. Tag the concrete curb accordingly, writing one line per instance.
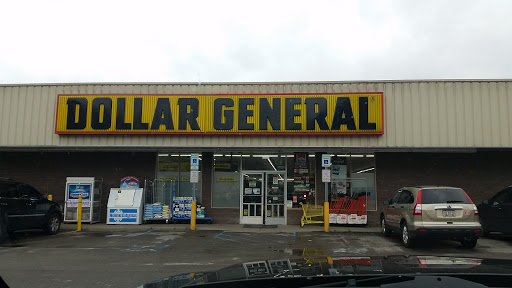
(215, 227)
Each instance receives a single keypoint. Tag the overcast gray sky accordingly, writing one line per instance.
(232, 41)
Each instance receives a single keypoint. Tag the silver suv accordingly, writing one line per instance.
(422, 211)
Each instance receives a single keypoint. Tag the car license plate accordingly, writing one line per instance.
(448, 213)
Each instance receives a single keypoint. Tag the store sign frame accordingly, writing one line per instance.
(359, 113)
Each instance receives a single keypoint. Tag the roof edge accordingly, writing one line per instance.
(256, 83)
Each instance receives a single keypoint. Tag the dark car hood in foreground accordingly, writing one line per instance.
(327, 267)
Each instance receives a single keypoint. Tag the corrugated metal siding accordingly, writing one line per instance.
(417, 114)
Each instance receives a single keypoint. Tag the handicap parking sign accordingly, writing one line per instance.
(326, 160)
(194, 161)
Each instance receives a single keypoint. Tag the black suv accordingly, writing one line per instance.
(23, 207)
(496, 213)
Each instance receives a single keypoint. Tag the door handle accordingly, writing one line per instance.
(401, 206)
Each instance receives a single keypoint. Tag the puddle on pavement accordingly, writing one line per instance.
(145, 248)
(349, 250)
(308, 252)
(301, 251)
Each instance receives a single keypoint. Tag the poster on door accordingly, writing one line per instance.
(75, 190)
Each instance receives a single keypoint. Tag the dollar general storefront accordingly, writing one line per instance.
(260, 144)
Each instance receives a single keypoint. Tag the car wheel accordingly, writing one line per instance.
(385, 231)
(406, 237)
(469, 242)
(53, 224)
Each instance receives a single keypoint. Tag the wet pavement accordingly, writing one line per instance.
(131, 258)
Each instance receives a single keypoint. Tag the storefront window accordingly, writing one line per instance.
(263, 162)
(226, 181)
(353, 176)
(176, 167)
(363, 169)
(301, 179)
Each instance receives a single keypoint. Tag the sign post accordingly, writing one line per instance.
(79, 212)
(194, 178)
(326, 178)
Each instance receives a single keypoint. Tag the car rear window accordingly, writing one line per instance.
(443, 195)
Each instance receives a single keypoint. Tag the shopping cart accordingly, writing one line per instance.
(310, 211)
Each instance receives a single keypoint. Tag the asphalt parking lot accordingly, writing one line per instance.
(132, 258)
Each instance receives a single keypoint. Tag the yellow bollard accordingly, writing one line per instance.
(79, 220)
(50, 197)
(326, 216)
(193, 216)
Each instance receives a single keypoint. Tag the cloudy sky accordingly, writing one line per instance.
(233, 41)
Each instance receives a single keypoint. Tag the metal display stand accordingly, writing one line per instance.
(157, 200)
(183, 218)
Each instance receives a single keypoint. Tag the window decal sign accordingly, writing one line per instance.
(75, 190)
(292, 114)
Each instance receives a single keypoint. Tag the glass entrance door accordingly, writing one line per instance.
(252, 198)
(263, 198)
(275, 198)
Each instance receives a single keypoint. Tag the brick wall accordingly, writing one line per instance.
(47, 171)
(480, 174)
(293, 216)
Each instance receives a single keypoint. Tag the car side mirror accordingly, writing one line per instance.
(485, 202)
(386, 202)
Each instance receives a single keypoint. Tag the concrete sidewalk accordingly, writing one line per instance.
(101, 227)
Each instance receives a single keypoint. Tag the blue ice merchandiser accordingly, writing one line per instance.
(125, 206)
